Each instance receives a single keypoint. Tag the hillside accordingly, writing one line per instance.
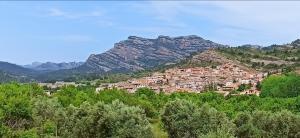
(137, 53)
(12, 72)
(5, 77)
(16, 69)
(271, 58)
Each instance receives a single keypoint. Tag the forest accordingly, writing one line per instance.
(26, 111)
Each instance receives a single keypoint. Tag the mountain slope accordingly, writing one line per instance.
(16, 69)
(271, 58)
(138, 53)
(12, 72)
(5, 77)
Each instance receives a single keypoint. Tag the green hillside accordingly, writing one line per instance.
(265, 59)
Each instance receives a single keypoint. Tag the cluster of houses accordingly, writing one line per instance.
(224, 78)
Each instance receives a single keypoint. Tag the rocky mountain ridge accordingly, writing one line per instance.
(137, 53)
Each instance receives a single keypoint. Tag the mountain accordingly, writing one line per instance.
(137, 53)
(32, 65)
(13, 72)
(16, 69)
(50, 66)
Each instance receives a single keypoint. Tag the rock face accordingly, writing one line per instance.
(138, 53)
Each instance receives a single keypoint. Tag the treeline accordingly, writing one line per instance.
(27, 112)
(287, 85)
(184, 119)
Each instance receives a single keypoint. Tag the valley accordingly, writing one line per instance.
(146, 85)
(167, 64)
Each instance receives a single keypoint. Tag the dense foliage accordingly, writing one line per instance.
(26, 111)
(287, 85)
(183, 119)
(281, 124)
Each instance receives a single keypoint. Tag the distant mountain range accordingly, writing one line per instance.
(50, 66)
(137, 53)
(13, 72)
(16, 69)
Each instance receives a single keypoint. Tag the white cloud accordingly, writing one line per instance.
(56, 12)
(72, 15)
(102, 21)
(247, 21)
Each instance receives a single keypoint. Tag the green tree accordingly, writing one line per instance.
(177, 117)
(182, 118)
(107, 120)
(281, 86)
(245, 128)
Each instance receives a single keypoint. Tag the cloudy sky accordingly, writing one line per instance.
(71, 31)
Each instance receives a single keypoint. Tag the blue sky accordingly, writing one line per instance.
(71, 31)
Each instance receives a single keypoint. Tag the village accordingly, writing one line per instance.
(224, 78)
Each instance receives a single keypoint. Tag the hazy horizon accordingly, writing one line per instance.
(71, 31)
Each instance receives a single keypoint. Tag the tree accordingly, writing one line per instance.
(107, 120)
(284, 124)
(46, 113)
(183, 119)
(124, 121)
(281, 86)
(177, 117)
(245, 128)
(211, 120)
(281, 124)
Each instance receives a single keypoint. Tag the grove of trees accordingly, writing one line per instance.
(76, 112)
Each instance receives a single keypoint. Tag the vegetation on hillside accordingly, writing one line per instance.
(265, 59)
(5, 77)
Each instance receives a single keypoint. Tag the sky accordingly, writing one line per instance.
(69, 31)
